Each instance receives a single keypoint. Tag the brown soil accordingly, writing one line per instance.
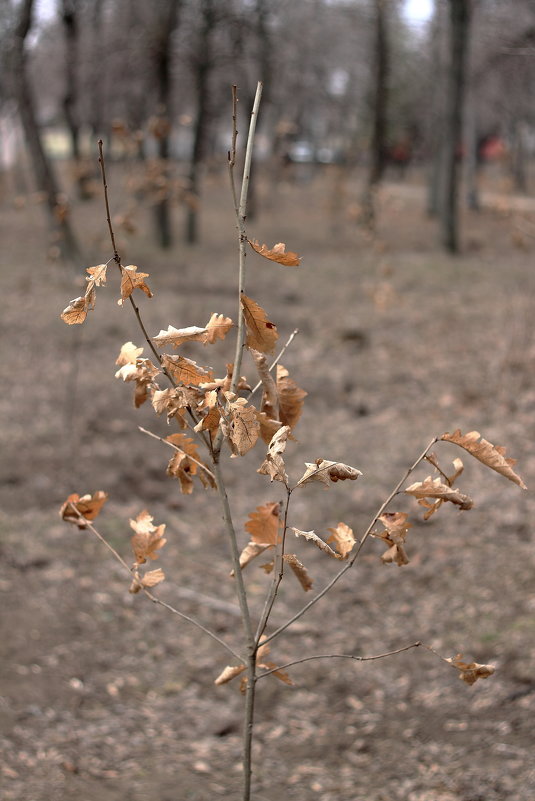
(107, 697)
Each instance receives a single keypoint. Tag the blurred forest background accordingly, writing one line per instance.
(395, 153)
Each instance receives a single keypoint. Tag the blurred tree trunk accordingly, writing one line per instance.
(519, 155)
(163, 57)
(379, 122)
(436, 112)
(460, 12)
(203, 64)
(70, 98)
(97, 95)
(263, 52)
(45, 178)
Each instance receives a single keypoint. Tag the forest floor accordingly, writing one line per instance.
(106, 697)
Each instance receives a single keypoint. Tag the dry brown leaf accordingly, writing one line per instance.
(492, 456)
(434, 488)
(291, 398)
(273, 464)
(262, 335)
(268, 427)
(186, 371)
(153, 577)
(130, 280)
(343, 538)
(147, 538)
(143, 372)
(243, 426)
(318, 542)
(97, 275)
(250, 552)
(278, 253)
(182, 467)
(150, 579)
(76, 312)
(396, 529)
(229, 673)
(299, 570)
(217, 327)
(263, 524)
(129, 354)
(470, 672)
(88, 506)
(176, 336)
(327, 472)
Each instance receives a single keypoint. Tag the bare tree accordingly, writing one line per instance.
(460, 14)
(45, 178)
(162, 55)
(379, 119)
(203, 63)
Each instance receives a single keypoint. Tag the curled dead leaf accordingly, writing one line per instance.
(273, 464)
(318, 542)
(470, 672)
(394, 535)
(130, 280)
(492, 456)
(88, 506)
(277, 253)
(327, 472)
(435, 488)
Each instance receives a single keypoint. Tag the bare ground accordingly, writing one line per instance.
(105, 696)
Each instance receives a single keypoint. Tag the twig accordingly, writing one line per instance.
(350, 563)
(278, 573)
(181, 450)
(343, 656)
(241, 216)
(232, 151)
(277, 360)
(135, 307)
(149, 595)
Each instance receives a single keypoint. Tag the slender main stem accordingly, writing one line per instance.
(355, 556)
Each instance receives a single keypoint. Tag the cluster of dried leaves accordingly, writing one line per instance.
(216, 409)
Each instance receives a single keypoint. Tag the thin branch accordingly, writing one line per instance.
(181, 450)
(116, 256)
(343, 656)
(135, 307)
(278, 573)
(241, 216)
(232, 151)
(277, 360)
(149, 595)
(351, 562)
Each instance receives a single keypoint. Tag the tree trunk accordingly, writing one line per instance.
(460, 11)
(203, 66)
(163, 53)
(45, 178)
(519, 156)
(70, 27)
(379, 123)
